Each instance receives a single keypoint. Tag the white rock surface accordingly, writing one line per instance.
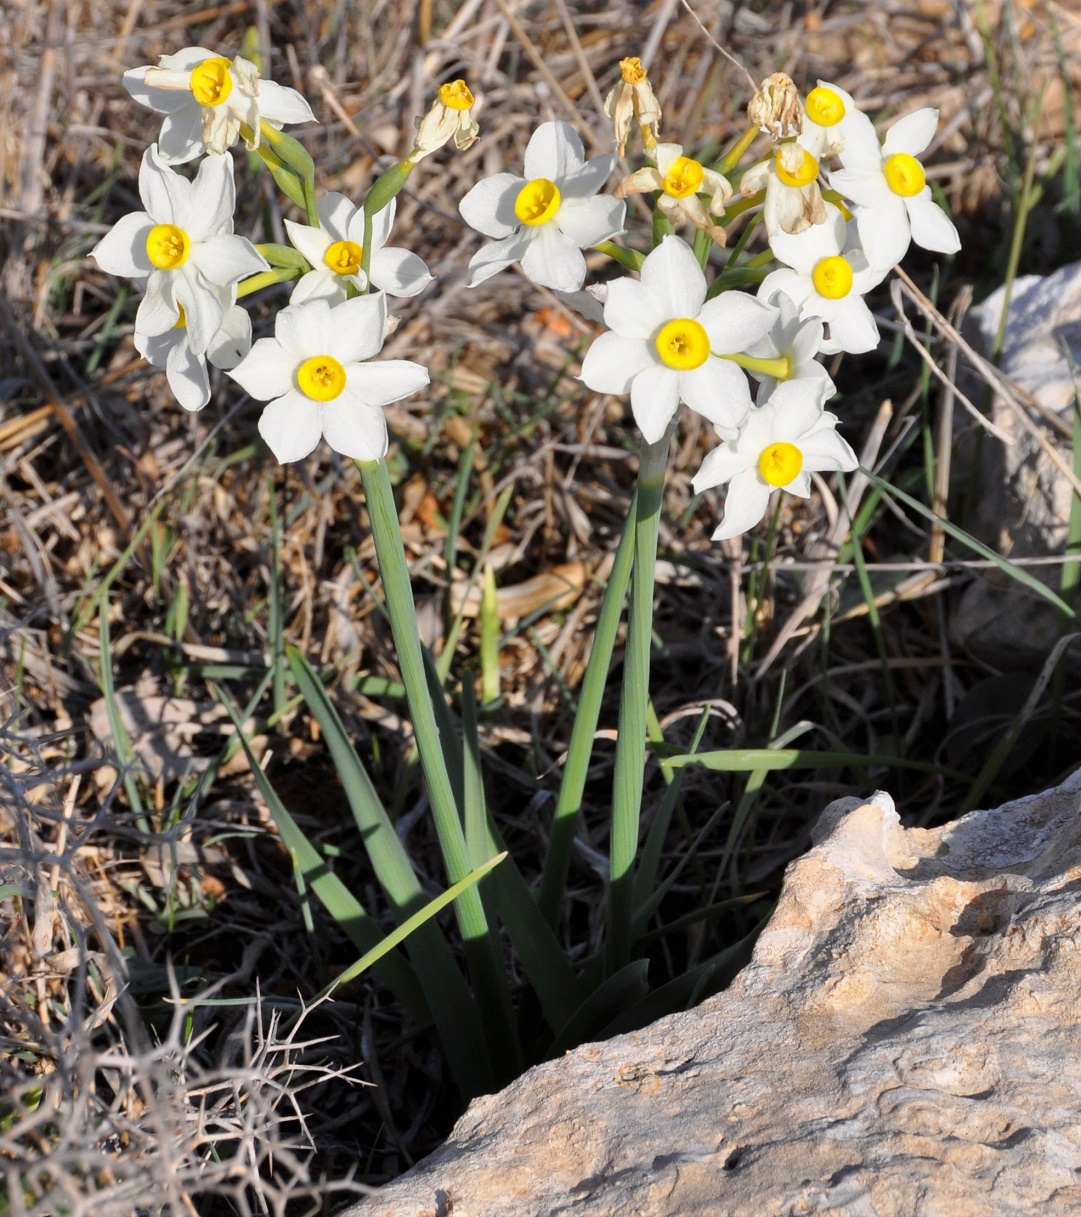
(904, 1042)
(1023, 501)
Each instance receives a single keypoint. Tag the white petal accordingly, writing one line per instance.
(589, 179)
(122, 251)
(212, 199)
(735, 321)
(354, 330)
(932, 228)
(826, 450)
(789, 284)
(489, 260)
(320, 284)
(163, 191)
(554, 151)
(795, 411)
(164, 101)
(590, 221)
(226, 260)
(336, 213)
(280, 104)
(181, 136)
(718, 390)
(187, 377)
(266, 371)
(302, 329)
(721, 464)
(654, 401)
(671, 273)
(489, 206)
(203, 310)
(354, 428)
(185, 59)
(313, 243)
(911, 134)
(157, 312)
(292, 426)
(382, 223)
(613, 361)
(865, 188)
(884, 233)
(861, 150)
(632, 311)
(233, 341)
(398, 271)
(803, 250)
(385, 380)
(555, 261)
(744, 505)
(854, 327)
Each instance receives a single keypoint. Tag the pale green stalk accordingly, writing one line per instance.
(634, 699)
(480, 944)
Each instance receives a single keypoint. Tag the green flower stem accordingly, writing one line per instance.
(266, 278)
(630, 258)
(565, 818)
(485, 964)
(386, 187)
(634, 700)
(283, 255)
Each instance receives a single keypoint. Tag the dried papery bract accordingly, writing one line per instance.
(775, 109)
(450, 117)
(632, 102)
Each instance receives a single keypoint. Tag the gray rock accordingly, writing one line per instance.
(904, 1041)
(1022, 507)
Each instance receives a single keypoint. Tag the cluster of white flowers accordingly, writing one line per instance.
(318, 372)
(671, 336)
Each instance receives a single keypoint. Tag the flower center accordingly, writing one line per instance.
(832, 277)
(455, 95)
(537, 201)
(167, 246)
(632, 71)
(211, 83)
(780, 463)
(321, 378)
(825, 107)
(684, 177)
(683, 344)
(343, 257)
(795, 165)
(904, 174)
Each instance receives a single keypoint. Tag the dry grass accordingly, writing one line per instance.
(130, 877)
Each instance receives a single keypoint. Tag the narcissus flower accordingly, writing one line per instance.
(775, 107)
(547, 218)
(666, 343)
(779, 446)
(335, 249)
(631, 102)
(451, 117)
(317, 374)
(181, 247)
(829, 115)
(185, 370)
(889, 187)
(795, 342)
(205, 98)
(789, 176)
(681, 179)
(825, 275)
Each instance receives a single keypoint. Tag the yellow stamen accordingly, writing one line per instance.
(455, 95)
(780, 463)
(684, 177)
(537, 201)
(832, 277)
(683, 344)
(210, 82)
(321, 378)
(167, 246)
(825, 107)
(803, 174)
(904, 174)
(343, 257)
(631, 70)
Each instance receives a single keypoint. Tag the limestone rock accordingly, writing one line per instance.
(904, 1042)
(1023, 503)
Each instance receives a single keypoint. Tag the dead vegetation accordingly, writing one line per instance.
(140, 548)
